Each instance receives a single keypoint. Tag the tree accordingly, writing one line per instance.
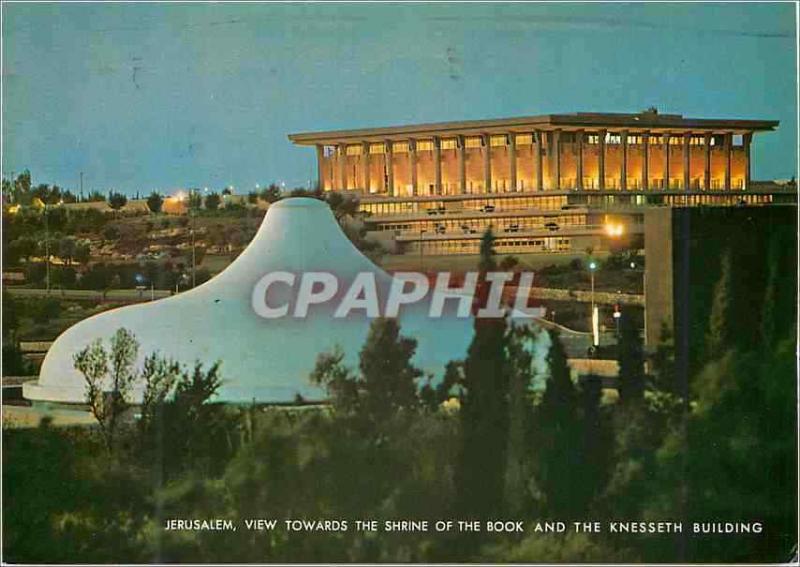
(388, 377)
(252, 197)
(159, 376)
(117, 200)
(387, 382)
(271, 193)
(718, 335)
(342, 206)
(82, 253)
(95, 196)
(769, 316)
(484, 408)
(213, 201)
(558, 437)
(109, 376)
(67, 248)
(341, 386)
(508, 263)
(522, 343)
(630, 355)
(663, 361)
(154, 202)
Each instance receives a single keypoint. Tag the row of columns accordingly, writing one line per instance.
(554, 157)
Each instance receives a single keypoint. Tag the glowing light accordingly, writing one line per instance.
(180, 196)
(614, 230)
(592, 265)
(595, 327)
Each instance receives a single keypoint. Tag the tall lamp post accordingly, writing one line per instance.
(46, 247)
(140, 279)
(422, 231)
(595, 317)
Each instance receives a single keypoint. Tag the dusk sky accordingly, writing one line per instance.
(156, 96)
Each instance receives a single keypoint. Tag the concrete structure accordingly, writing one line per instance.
(267, 360)
(544, 183)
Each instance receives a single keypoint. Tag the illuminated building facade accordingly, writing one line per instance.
(550, 183)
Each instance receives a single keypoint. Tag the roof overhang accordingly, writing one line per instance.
(633, 123)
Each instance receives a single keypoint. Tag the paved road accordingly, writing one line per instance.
(133, 295)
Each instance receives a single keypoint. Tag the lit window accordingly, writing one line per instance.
(400, 147)
(449, 144)
(593, 139)
(524, 139)
(635, 140)
(425, 145)
(473, 142)
(377, 148)
(354, 150)
(496, 141)
(613, 138)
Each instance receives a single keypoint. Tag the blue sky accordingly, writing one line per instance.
(158, 96)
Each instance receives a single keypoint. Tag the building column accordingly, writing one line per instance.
(537, 159)
(462, 165)
(728, 144)
(389, 158)
(707, 161)
(487, 163)
(342, 150)
(365, 166)
(665, 141)
(556, 158)
(412, 165)
(579, 161)
(601, 160)
(645, 182)
(687, 173)
(747, 140)
(512, 160)
(437, 165)
(320, 163)
(623, 165)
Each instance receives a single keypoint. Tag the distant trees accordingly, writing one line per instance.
(154, 202)
(342, 206)
(67, 249)
(271, 193)
(117, 200)
(212, 201)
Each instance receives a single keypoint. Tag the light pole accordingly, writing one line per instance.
(46, 247)
(421, 248)
(192, 197)
(595, 317)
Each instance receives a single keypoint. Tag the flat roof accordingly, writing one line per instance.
(648, 120)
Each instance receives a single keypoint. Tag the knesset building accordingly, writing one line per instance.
(557, 182)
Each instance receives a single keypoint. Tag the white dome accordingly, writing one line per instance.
(268, 360)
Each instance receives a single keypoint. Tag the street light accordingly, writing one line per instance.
(47, 247)
(421, 248)
(595, 317)
(140, 279)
